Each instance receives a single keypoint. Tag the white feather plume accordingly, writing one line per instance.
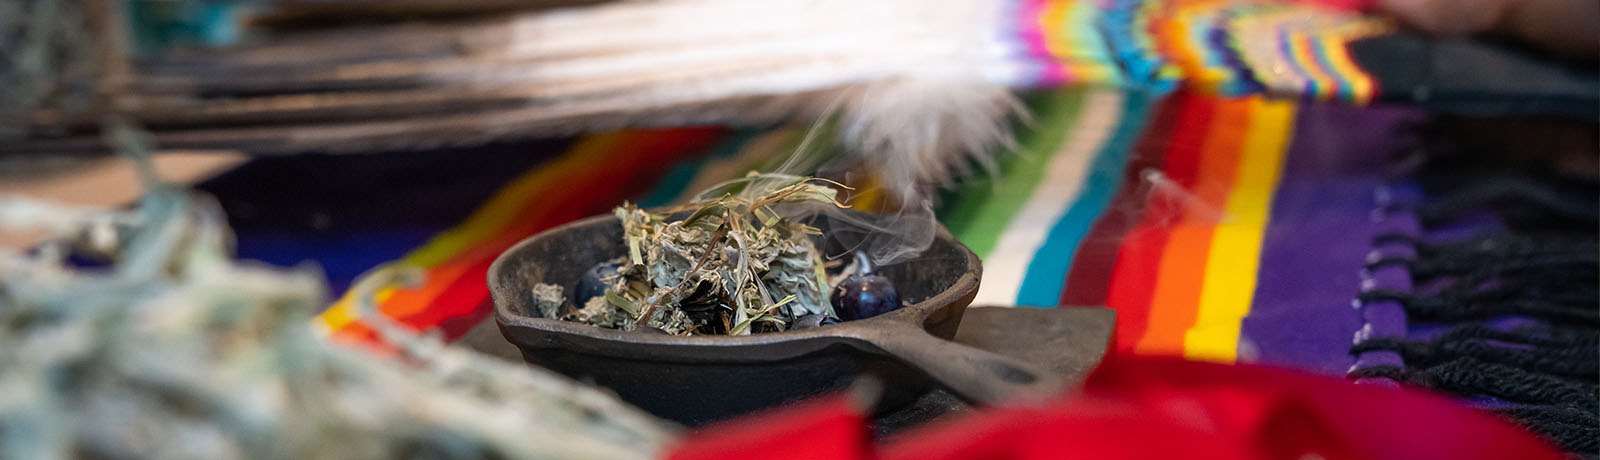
(919, 132)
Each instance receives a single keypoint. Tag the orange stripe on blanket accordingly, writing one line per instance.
(1182, 270)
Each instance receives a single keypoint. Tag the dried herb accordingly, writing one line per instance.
(178, 351)
(547, 300)
(735, 263)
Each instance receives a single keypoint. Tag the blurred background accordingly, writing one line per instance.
(1389, 191)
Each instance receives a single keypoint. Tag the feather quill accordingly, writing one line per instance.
(921, 90)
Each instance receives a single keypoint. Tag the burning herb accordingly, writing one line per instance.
(735, 263)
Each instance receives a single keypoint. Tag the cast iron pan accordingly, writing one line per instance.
(700, 379)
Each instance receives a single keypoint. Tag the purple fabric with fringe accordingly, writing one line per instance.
(1322, 227)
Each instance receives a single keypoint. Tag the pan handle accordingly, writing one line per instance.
(976, 375)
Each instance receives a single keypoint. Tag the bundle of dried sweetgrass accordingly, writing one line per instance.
(174, 350)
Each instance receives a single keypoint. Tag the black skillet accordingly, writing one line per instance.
(699, 379)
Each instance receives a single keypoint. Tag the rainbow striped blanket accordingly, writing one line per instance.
(1208, 223)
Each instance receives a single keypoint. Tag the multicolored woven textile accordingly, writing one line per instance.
(1170, 209)
(1232, 48)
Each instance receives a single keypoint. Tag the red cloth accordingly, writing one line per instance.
(1138, 408)
(829, 427)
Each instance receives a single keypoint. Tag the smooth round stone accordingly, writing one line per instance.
(861, 297)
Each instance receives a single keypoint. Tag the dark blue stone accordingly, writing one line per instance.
(864, 296)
